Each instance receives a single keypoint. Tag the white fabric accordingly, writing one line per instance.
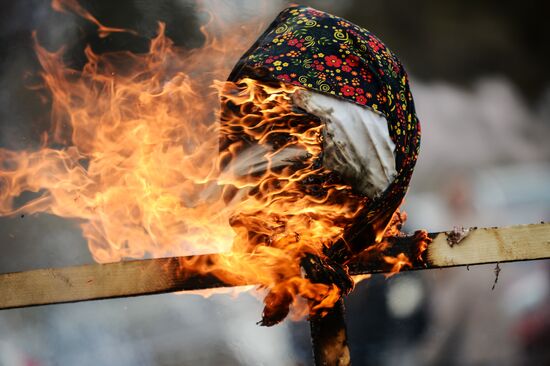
(357, 141)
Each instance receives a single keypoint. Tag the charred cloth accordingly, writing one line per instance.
(320, 104)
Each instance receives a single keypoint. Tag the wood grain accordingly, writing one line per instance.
(99, 281)
(155, 276)
(489, 245)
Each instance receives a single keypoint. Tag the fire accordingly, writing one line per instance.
(398, 262)
(144, 172)
(74, 6)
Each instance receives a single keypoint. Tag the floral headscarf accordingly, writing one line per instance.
(327, 54)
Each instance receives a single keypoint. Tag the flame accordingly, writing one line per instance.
(394, 229)
(73, 6)
(399, 262)
(143, 171)
(360, 278)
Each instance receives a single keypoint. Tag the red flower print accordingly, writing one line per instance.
(359, 91)
(346, 68)
(400, 114)
(361, 100)
(375, 44)
(316, 13)
(352, 60)
(320, 67)
(295, 42)
(333, 61)
(284, 78)
(268, 60)
(348, 90)
(343, 23)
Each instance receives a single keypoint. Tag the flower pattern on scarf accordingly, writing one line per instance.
(328, 54)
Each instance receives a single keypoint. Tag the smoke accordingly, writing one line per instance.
(489, 123)
(467, 134)
(21, 111)
(484, 156)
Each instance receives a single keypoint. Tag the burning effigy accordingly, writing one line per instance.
(289, 168)
(318, 115)
(272, 161)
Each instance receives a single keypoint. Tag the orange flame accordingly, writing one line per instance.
(72, 5)
(142, 173)
(398, 263)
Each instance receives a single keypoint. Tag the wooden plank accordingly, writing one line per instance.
(155, 276)
(489, 245)
(464, 248)
(329, 338)
(99, 281)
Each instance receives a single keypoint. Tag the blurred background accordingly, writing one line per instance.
(482, 91)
